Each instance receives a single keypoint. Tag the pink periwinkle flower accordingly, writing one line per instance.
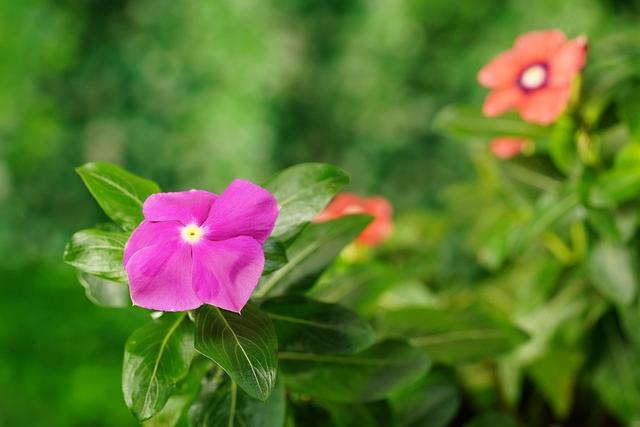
(508, 147)
(196, 247)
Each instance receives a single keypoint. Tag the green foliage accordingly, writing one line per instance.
(244, 345)
(98, 253)
(156, 357)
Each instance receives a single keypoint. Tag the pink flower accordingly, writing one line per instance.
(534, 77)
(195, 248)
(507, 147)
(350, 204)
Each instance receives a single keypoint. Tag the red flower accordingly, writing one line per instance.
(350, 204)
(534, 77)
(507, 147)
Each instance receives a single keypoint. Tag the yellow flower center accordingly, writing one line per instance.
(192, 233)
(533, 77)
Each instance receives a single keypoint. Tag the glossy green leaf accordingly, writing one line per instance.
(453, 336)
(98, 253)
(222, 403)
(471, 122)
(432, 402)
(310, 253)
(275, 255)
(302, 192)
(611, 271)
(370, 375)
(183, 394)
(156, 357)
(105, 293)
(118, 192)
(308, 326)
(244, 345)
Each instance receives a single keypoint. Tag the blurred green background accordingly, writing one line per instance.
(192, 94)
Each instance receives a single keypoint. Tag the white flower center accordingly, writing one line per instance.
(191, 233)
(533, 77)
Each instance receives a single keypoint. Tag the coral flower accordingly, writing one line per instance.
(195, 247)
(534, 77)
(350, 204)
(507, 147)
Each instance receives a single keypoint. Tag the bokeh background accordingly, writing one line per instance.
(194, 93)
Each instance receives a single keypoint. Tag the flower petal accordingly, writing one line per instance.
(568, 62)
(545, 105)
(381, 226)
(502, 71)
(188, 207)
(539, 46)
(502, 100)
(225, 273)
(160, 278)
(243, 209)
(149, 234)
(507, 147)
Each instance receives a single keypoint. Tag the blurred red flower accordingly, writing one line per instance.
(507, 147)
(535, 76)
(350, 204)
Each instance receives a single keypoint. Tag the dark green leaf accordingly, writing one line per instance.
(630, 109)
(371, 414)
(471, 122)
(494, 419)
(617, 377)
(312, 251)
(275, 255)
(308, 326)
(433, 402)
(554, 374)
(223, 404)
(453, 336)
(302, 192)
(105, 293)
(118, 192)
(244, 345)
(611, 272)
(366, 376)
(156, 357)
(183, 394)
(97, 252)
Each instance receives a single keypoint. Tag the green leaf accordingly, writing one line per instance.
(620, 183)
(156, 357)
(119, 193)
(223, 404)
(308, 326)
(302, 192)
(562, 145)
(105, 293)
(366, 376)
(275, 255)
(630, 109)
(611, 272)
(471, 122)
(554, 374)
(493, 419)
(310, 253)
(183, 394)
(371, 414)
(432, 402)
(453, 336)
(617, 377)
(98, 253)
(244, 345)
